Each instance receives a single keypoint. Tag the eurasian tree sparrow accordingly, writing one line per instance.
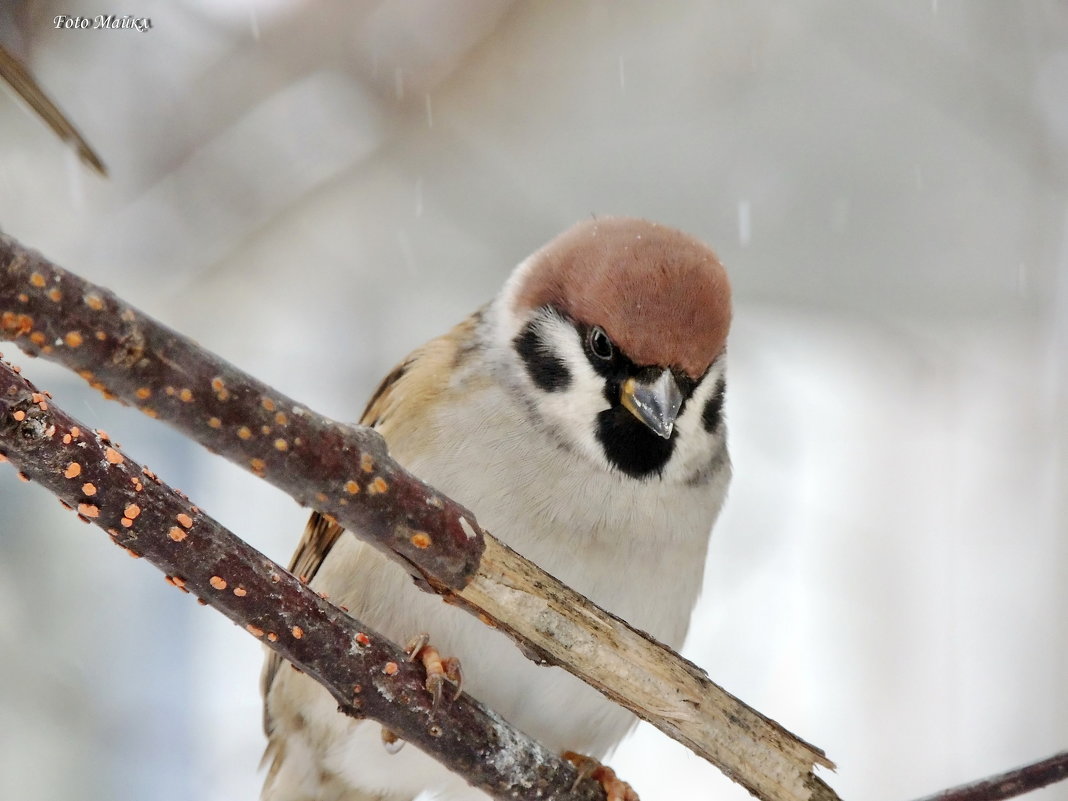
(580, 416)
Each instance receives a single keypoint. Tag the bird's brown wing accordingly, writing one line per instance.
(414, 384)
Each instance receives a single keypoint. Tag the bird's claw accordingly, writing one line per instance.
(615, 789)
(439, 672)
(390, 741)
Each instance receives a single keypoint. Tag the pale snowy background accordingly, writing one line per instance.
(888, 185)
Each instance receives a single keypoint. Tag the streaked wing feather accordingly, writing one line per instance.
(398, 388)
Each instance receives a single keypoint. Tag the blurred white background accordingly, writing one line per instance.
(311, 189)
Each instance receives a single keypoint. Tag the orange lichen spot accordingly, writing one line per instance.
(36, 397)
(351, 487)
(257, 465)
(42, 405)
(23, 477)
(75, 431)
(126, 522)
(378, 486)
(421, 539)
(89, 489)
(255, 631)
(132, 511)
(320, 497)
(23, 297)
(272, 636)
(390, 668)
(214, 422)
(19, 415)
(17, 325)
(55, 295)
(169, 390)
(367, 463)
(113, 456)
(268, 404)
(37, 338)
(94, 302)
(73, 339)
(184, 519)
(128, 315)
(134, 554)
(37, 280)
(218, 386)
(218, 582)
(88, 510)
(177, 534)
(265, 430)
(73, 470)
(363, 639)
(281, 445)
(101, 335)
(144, 393)
(297, 631)
(179, 582)
(103, 435)
(281, 418)
(185, 395)
(3, 458)
(47, 349)
(244, 433)
(240, 592)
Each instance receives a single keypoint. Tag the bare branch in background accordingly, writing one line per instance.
(1010, 784)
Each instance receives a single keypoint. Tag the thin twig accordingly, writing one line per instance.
(1010, 784)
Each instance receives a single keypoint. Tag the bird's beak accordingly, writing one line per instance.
(655, 403)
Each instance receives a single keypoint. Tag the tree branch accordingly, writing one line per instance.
(346, 472)
(368, 675)
(1010, 784)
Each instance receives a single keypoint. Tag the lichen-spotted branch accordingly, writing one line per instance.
(367, 675)
(345, 472)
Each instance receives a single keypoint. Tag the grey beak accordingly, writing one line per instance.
(655, 403)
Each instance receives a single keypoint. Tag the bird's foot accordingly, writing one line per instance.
(391, 742)
(439, 672)
(614, 788)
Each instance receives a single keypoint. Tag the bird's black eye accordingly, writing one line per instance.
(599, 343)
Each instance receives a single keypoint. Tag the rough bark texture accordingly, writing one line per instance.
(345, 471)
(367, 674)
(128, 356)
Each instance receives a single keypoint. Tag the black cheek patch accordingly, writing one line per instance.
(630, 446)
(546, 370)
(712, 415)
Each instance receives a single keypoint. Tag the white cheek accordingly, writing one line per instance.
(574, 410)
(694, 444)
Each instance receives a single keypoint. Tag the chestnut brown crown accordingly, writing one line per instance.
(662, 296)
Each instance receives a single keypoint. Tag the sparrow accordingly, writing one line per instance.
(579, 415)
